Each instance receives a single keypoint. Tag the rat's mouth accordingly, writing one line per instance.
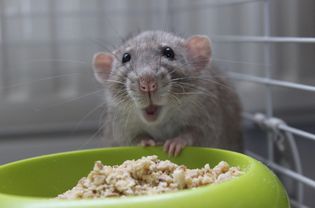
(151, 112)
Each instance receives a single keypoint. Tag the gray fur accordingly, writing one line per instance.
(199, 102)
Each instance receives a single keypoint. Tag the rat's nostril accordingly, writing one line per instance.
(143, 88)
(147, 84)
(153, 86)
(143, 85)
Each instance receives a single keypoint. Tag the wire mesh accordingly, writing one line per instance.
(267, 40)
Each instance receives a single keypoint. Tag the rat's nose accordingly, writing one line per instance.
(147, 84)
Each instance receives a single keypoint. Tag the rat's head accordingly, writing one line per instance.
(153, 71)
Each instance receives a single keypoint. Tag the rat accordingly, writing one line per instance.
(162, 89)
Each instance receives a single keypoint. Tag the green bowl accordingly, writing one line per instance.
(33, 183)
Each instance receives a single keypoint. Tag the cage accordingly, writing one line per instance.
(50, 101)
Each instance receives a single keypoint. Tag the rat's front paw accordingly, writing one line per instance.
(174, 146)
(147, 142)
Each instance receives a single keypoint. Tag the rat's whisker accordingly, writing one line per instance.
(204, 78)
(188, 93)
(128, 115)
(187, 86)
(103, 46)
(178, 85)
(197, 93)
(121, 92)
(114, 81)
(87, 115)
(71, 100)
(239, 62)
(41, 80)
(72, 61)
(175, 97)
(91, 138)
(120, 98)
(192, 89)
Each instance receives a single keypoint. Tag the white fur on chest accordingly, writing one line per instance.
(168, 128)
(162, 132)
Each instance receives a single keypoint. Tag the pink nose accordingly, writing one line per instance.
(147, 84)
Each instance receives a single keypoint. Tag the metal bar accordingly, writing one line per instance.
(287, 128)
(87, 13)
(297, 204)
(285, 171)
(267, 59)
(223, 3)
(268, 91)
(212, 5)
(297, 132)
(274, 82)
(170, 14)
(31, 130)
(261, 39)
(298, 165)
(136, 10)
(295, 152)
(4, 63)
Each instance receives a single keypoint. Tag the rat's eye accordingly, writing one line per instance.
(126, 57)
(168, 52)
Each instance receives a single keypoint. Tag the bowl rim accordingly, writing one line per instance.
(182, 193)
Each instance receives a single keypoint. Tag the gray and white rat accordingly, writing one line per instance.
(163, 89)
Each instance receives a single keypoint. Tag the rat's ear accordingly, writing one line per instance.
(198, 50)
(102, 66)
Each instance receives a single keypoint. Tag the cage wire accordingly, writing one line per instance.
(278, 131)
(281, 137)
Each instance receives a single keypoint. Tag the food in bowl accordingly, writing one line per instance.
(147, 175)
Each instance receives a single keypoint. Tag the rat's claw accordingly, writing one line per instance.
(178, 149)
(166, 145)
(174, 146)
(147, 142)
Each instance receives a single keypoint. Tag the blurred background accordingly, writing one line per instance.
(50, 101)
